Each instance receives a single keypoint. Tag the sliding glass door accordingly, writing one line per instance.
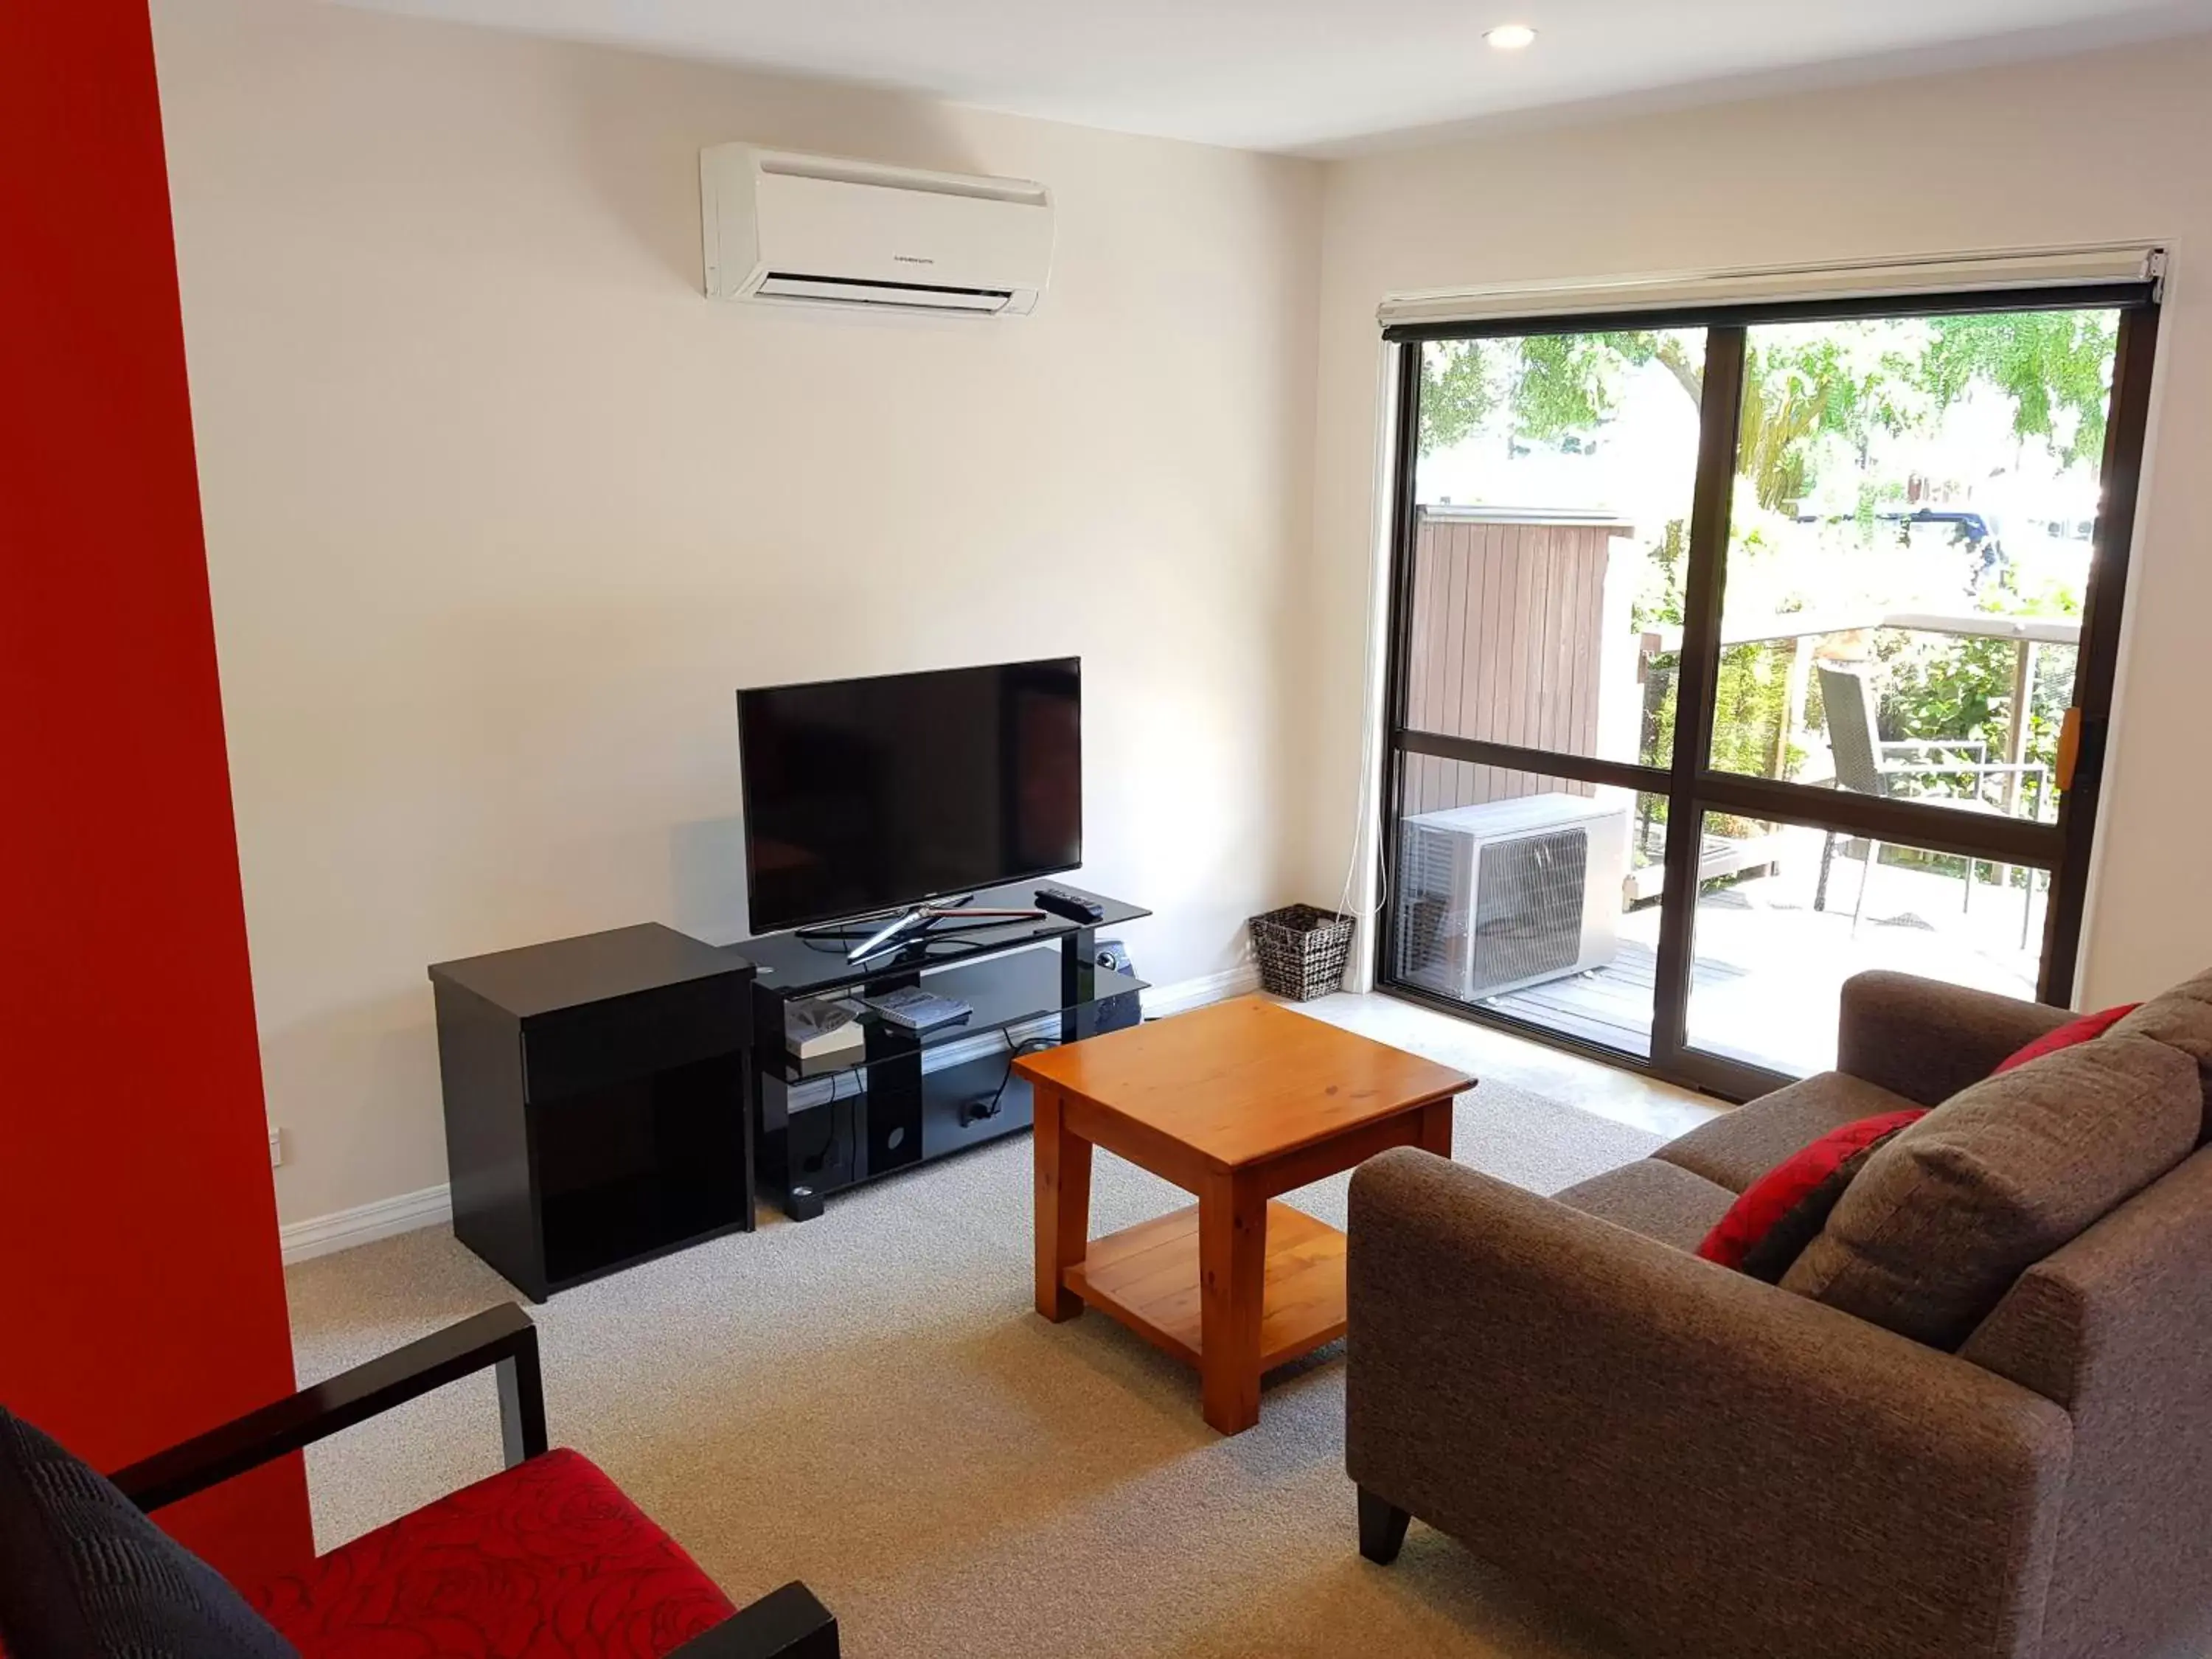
(1553, 480)
(1736, 653)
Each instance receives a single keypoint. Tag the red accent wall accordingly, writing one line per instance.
(142, 1298)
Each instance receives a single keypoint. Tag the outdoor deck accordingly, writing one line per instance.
(1610, 1005)
(1769, 969)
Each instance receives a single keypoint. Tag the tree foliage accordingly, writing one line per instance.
(2050, 363)
(1818, 385)
(1843, 380)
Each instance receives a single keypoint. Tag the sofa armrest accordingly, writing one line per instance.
(1676, 1448)
(785, 1623)
(1926, 1040)
(500, 1339)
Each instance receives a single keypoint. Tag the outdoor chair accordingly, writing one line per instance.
(1869, 764)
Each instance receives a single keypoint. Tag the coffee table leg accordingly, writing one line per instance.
(1232, 1273)
(1435, 1136)
(1063, 1205)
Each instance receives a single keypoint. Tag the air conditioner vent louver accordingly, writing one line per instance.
(815, 230)
(846, 290)
(1528, 908)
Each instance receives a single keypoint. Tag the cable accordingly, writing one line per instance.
(1362, 819)
(1013, 1049)
(827, 1162)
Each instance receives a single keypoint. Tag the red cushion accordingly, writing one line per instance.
(1796, 1180)
(2079, 1030)
(546, 1559)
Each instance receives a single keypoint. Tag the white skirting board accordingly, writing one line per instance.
(1184, 994)
(326, 1235)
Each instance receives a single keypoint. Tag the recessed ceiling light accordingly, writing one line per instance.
(1511, 37)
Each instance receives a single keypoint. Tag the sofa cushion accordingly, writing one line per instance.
(2182, 1018)
(1946, 1216)
(1735, 1150)
(1780, 1213)
(2087, 1029)
(546, 1557)
(1660, 1200)
(1926, 1039)
(84, 1574)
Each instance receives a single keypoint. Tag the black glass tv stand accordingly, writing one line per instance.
(905, 1097)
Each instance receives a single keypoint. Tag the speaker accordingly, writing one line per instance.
(1117, 1014)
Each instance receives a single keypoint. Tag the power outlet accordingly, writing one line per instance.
(276, 1147)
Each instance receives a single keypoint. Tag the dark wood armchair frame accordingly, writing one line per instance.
(786, 1623)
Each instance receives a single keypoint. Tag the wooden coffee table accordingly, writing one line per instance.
(1235, 1102)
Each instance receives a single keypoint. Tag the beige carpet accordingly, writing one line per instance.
(868, 1402)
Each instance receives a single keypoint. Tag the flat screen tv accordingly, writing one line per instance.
(872, 794)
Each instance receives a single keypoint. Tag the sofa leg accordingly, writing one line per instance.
(1382, 1529)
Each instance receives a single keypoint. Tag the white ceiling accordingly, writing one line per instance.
(1317, 75)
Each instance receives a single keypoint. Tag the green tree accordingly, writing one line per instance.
(2045, 361)
(1556, 385)
(1846, 379)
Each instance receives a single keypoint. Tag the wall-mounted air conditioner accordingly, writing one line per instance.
(815, 230)
(1509, 893)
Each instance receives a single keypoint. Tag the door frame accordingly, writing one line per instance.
(2065, 849)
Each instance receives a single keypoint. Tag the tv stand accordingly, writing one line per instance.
(908, 1097)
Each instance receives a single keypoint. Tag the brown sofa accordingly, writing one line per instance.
(1709, 1465)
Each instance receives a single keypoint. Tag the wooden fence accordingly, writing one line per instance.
(1506, 639)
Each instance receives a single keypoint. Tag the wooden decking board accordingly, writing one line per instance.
(1610, 1004)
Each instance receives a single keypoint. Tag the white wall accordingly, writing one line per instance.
(2102, 148)
(500, 511)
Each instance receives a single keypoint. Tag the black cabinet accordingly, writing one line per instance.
(598, 1101)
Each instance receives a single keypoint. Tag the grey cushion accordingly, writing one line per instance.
(1735, 1151)
(1945, 1218)
(1660, 1200)
(84, 1575)
(2182, 1018)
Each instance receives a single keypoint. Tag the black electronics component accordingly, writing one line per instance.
(1074, 906)
(874, 795)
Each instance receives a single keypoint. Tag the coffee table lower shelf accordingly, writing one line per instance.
(1146, 1277)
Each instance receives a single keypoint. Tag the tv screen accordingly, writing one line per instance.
(869, 794)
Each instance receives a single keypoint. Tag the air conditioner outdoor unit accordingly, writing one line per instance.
(1509, 893)
(815, 230)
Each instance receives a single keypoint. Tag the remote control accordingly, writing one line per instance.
(1074, 906)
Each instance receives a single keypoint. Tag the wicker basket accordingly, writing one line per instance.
(1301, 951)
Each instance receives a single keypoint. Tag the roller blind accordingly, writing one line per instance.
(2118, 273)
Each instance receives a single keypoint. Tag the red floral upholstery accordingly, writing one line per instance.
(545, 1560)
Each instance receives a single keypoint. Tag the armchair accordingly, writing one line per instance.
(547, 1545)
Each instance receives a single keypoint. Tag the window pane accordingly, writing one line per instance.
(1553, 483)
(1774, 944)
(1909, 552)
(1529, 896)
